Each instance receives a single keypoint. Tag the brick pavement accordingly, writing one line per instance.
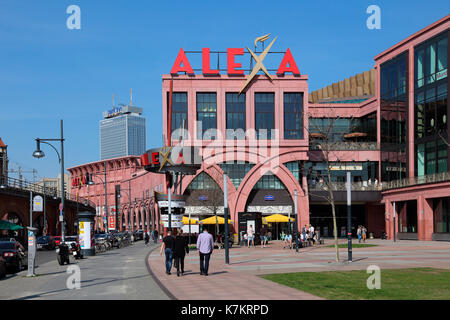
(240, 279)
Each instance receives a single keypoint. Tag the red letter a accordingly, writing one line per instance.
(182, 59)
(288, 59)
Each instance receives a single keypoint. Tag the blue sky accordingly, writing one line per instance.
(48, 72)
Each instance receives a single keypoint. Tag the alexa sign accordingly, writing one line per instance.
(287, 63)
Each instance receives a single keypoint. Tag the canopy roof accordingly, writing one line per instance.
(212, 220)
(277, 218)
(6, 225)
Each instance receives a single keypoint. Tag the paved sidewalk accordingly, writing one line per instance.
(119, 274)
(240, 279)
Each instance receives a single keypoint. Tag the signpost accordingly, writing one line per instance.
(225, 213)
(31, 250)
(37, 204)
(349, 216)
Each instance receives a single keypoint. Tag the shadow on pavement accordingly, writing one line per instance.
(61, 290)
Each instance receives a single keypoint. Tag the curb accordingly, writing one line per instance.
(163, 288)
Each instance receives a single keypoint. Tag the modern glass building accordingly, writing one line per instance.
(122, 133)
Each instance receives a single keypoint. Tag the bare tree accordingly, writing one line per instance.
(322, 140)
(214, 204)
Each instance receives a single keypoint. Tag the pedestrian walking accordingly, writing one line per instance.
(311, 233)
(167, 247)
(359, 234)
(180, 249)
(263, 236)
(205, 247)
(155, 236)
(364, 233)
(250, 236)
(147, 238)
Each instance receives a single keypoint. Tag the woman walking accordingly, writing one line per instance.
(180, 249)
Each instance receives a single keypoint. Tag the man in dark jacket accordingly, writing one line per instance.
(180, 249)
(155, 236)
(147, 238)
(167, 247)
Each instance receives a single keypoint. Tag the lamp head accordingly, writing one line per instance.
(38, 153)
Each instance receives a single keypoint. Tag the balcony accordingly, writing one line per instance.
(414, 181)
(345, 146)
(342, 186)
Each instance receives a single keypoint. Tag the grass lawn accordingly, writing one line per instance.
(396, 284)
(354, 245)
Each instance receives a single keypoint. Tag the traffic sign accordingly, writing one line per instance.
(174, 224)
(173, 204)
(173, 217)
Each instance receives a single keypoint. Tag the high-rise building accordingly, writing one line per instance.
(122, 132)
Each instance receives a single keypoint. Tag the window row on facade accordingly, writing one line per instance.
(235, 114)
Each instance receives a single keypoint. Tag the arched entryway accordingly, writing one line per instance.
(270, 196)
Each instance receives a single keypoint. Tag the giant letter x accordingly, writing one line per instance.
(259, 65)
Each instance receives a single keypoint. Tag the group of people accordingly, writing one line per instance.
(308, 233)
(154, 236)
(264, 236)
(361, 233)
(176, 248)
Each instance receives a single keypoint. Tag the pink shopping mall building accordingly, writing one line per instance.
(387, 126)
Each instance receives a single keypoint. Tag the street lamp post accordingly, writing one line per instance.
(296, 221)
(40, 154)
(106, 194)
(129, 203)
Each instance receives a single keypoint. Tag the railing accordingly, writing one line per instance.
(24, 185)
(342, 186)
(413, 181)
(346, 146)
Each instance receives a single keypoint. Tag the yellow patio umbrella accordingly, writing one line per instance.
(278, 218)
(212, 220)
(186, 221)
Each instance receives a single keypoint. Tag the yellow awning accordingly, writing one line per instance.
(186, 220)
(212, 220)
(277, 218)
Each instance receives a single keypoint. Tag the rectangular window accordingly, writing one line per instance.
(430, 56)
(431, 157)
(420, 115)
(419, 68)
(293, 115)
(441, 58)
(206, 115)
(441, 209)
(442, 156)
(235, 115)
(179, 112)
(264, 115)
(421, 160)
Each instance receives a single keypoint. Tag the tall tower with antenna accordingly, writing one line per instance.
(122, 131)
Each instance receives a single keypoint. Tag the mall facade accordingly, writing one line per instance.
(273, 138)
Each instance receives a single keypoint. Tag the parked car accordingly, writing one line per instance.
(14, 254)
(71, 239)
(2, 268)
(45, 242)
(139, 235)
